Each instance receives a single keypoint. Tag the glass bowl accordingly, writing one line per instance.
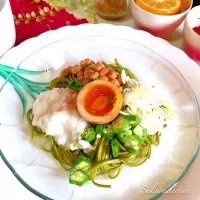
(42, 175)
(114, 9)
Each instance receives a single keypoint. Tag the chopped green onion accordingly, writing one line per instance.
(75, 85)
(165, 125)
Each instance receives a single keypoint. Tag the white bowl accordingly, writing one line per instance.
(37, 170)
(159, 25)
(192, 39)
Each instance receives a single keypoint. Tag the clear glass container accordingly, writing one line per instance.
(37, 170)
(111, 9)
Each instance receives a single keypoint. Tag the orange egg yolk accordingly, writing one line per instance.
(99, 100)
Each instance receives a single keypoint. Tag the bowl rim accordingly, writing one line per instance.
(163, 192)
(164, 16)
(189, 29)
(3, 5)
(189, 15)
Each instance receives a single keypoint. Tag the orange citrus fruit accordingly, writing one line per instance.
(160, 7)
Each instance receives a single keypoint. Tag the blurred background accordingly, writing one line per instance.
(196, 3)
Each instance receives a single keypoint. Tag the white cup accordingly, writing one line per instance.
(159, 25)
(7, 27)
(192, 39)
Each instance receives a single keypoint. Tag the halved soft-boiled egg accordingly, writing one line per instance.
(99, 102)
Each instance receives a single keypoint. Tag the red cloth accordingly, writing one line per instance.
(32, 28)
